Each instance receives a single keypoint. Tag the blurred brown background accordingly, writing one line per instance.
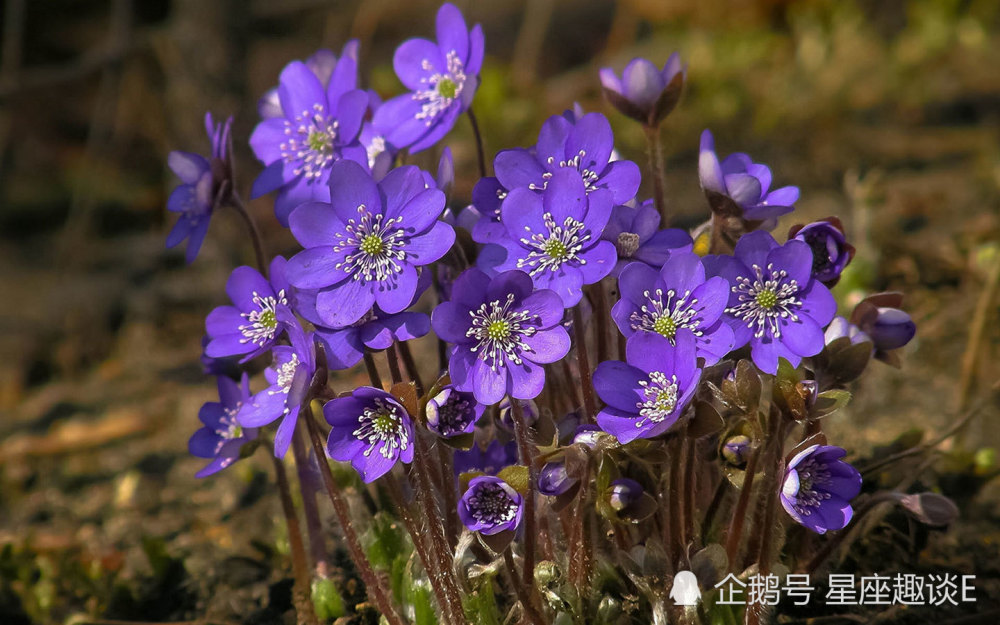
(885, 113)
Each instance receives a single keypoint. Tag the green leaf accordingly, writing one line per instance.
(829, 402)
(327, 600)
(516, 475)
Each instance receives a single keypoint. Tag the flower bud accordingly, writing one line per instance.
(736, 450)
(553, 480)
(644, 92)
(831, 251)
(624, 493)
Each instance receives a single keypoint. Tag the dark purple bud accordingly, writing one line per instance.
(588, 435)
(528, 407)
(451, 413)
(736, 450)
(645, 92)
(553, 480)
(831, 251)
(624, 493)
(892, 329)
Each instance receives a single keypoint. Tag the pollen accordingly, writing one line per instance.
(767, 299)
(665, 327)
(555, 249)
(447, 88)
(372, 245)
(498, 330)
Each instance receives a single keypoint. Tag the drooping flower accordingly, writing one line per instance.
(376, 330)
(644, 92)
(880, 318)
(222, 437)
(490, 506)
(502, 333)
(201, 182)
(555, 237)
(775, 304)
(818, 488)
(583, 148)
(746, 183)
(831, 251)
(258, 317)
(364, 247)
(646, 395)
(452, 412)
(371, 430)
(317, 127)
(675, 297)
(288, 380)
(442, 78)
(634, 231)
(489, 460)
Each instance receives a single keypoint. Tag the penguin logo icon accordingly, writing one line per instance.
(685, 590)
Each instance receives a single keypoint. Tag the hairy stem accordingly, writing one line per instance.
(583, 361)
(300, 567)
(410, 365)
(654, 151)
(258, 246)
(480, 152)
(373, 375)
(521, 590)
(314, 526)
(740, 512)
(527, 457)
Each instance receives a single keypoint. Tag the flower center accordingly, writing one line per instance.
(376, 246)
(665, 316)
(588, 175)
(310, 142)
(383, 427)
(228, 429)
(500, 332)
(263, 320)
(627, 244)
(491, 505)
(765, 300)
(811, 473)
(659, 398)
(824, 252)
(441, 89)
(454, 415)
(286, 373)
(373, 149)
(557, 245)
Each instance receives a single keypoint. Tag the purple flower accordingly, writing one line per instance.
(322, 63)
(889, 328)
(502, 333)
(744, 182)
(553, 480)
(376, 330)
(645, 93)
(371, 430)
(258, 317)
(831, 251)
(442, 78)
(318, 126)
(634, 232)
(583, 147)
(818, 488)
(646, 395)
(452, 412)
(490, 506)
(201, 182)
(288, 380)
(775, 304)
(555, 237)
(222, 438)
(364, 247)
(490, 460)
(675, 297)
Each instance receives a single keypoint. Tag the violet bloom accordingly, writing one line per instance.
(502, 332)
(376, 330)
(646, 395)
(818, 488)
(555, 237)
(831, 251)
(442, 78)
(775, 304)
(452, 412)
(490, 506)
(635, 232)
(676, 297)
(364, 247)
(490, 460)
(288, 380)
(744, 182)
(879, 317)
(222, 437)
(371, 430)
(201, 182)
(645, 93)
(258, 317)
(583, 148)
(323, 64)
(317, 127)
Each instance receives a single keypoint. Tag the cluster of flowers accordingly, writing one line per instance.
(519, 275)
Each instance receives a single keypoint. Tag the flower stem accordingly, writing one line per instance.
(713, 508)
(567, 380)
(583, 360)
(410, 365)
(258, 247)
(375, 585)
(480, 152)
(654, 150)
(530, 613)
(393, 360)
(446, 455)
(300, 567)
(373, 375)
(528, 459)
(740, 512)
(314, 526)
(675, 504)
(602, 313)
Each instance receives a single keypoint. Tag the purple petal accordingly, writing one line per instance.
(622, 178)
(597, 262)
(429, 247)
(351, 110)
(243, 283)
(642, 82)
(344, 348)
(477, 48)
(283, 436)
(521, 213)
(662, 244)
(546, 305)
(316, 267)
(344, 303)
(452, 34)
(489, 385)
(450, 321)
(794, 257)
(350, 187)
(547, 346)
(616, 383)
(552, 140)
(187, 166)
(818, 303)
(517, 168)
(592, 138)
(744, 189)
(565, 196)
(753, 249)
(785, 196)
(299, 89)
(396, 293)
(527, 378)
(709, 170)
(315, 224)
(423, 210)
(610, 81)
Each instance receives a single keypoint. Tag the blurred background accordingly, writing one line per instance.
(884, 113)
